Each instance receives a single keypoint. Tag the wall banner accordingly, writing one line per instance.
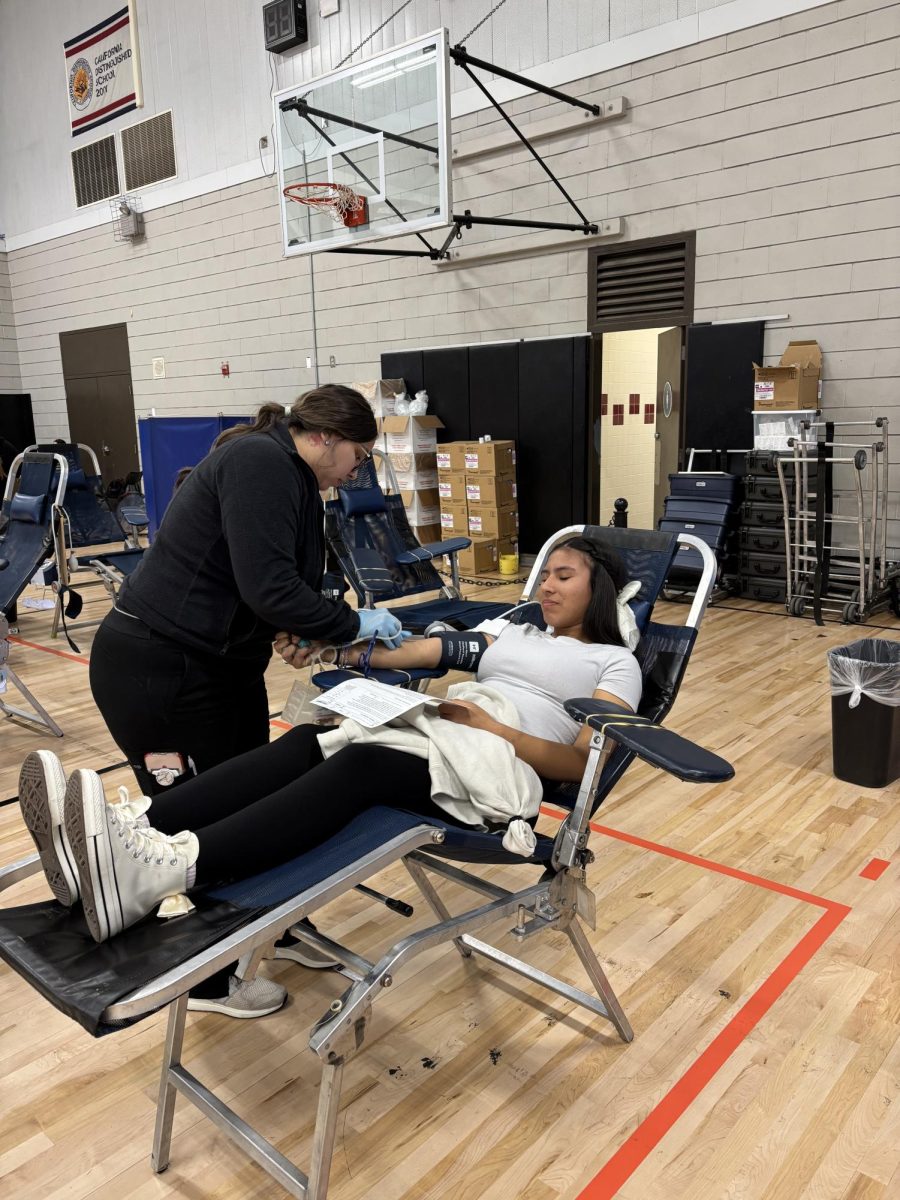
(102, 74)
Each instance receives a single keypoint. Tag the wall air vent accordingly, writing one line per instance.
(644, 284)
(148, 152)
(95, 171)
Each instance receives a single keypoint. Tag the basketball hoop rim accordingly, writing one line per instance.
(341, 193)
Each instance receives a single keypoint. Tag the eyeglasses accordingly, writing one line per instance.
(361, 455)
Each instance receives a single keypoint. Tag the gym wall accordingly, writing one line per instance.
(776, 143)
(10, 380)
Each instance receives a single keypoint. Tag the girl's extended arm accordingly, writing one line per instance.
(551, 760)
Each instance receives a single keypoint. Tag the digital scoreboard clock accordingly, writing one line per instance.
(284, 23)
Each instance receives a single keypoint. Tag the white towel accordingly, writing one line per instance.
(475, 775)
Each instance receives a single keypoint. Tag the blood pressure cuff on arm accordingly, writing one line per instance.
(461, 651)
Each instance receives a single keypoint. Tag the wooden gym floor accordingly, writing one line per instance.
(750, 930)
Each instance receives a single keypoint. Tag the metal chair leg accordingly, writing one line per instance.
(326, 1128)
(165, 1105)
(597, 976)
(438, 907)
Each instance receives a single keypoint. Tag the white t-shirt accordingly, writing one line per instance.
(538, 671)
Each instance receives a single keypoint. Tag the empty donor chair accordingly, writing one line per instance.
(34, 490)
(109, 986)
(370, 537)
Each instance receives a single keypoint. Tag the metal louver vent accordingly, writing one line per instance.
(148, 152)
(95, 172)
(643, 284)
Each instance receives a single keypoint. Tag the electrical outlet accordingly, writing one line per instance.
(332, 361)
(263, 142)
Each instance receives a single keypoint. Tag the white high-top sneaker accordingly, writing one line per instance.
(42, 789)
(124, 870)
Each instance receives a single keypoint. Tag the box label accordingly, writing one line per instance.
(764, 389)
(472, 461)
(443, 462)
(446, 520)
(445, 489)
(473, 491)
(475, 523)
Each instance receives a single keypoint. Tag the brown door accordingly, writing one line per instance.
(99, 397)
(667, 414)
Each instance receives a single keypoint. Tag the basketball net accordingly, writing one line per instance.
(343, 205)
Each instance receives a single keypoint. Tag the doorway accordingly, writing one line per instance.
(99, 397)
(640, 421)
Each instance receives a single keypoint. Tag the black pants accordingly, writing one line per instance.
(276, 802)
(157, 695)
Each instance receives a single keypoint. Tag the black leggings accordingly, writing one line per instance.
(269, 805)
(157, 695)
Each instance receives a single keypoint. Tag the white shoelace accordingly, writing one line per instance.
(150, 843)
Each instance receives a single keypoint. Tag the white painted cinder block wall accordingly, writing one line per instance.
(9, 355)
(779, 144)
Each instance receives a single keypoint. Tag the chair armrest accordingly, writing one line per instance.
(659, 747)
(434, 550)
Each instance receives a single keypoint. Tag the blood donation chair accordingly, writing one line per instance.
(88, 521)
(110, 986)
(370, 537)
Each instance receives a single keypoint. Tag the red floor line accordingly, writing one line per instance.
(660, 1120)
(80, 659)
(874, 869)
(50, 650)
(707, 864)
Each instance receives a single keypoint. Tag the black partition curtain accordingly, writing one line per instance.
(534, 392)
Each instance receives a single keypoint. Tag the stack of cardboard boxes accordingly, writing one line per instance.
(477, 492)
(409, 443)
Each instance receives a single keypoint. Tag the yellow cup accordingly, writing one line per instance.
(509, 564)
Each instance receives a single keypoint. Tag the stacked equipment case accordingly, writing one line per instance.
(707, 505)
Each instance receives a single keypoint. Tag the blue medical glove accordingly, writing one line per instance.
(379, 623)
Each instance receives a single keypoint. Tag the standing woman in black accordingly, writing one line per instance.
(177, 667)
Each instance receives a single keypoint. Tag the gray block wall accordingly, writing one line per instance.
(779, 145)
(9, 355)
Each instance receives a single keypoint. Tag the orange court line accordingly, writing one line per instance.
(50, 650)
(874, 869)
(81, 659)
(654, 1127)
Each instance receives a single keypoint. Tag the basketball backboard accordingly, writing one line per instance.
(379, 128)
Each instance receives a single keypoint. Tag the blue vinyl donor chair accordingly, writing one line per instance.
(89, 521)
(32, 497)
(370, 537)
(110, 986)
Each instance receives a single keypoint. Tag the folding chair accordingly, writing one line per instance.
(108, 986)
(87, 520)
(34, 489)
(370, 537)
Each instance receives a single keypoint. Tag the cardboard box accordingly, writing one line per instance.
(451, 458)
(508, 545)
(487, 522)
(481, 558)
(454, 519)
(452, 487)
(422, 506)
(411, 435)
(414, 471)
(490, 458)
(794, 383)
(381, 394)
(491, 490)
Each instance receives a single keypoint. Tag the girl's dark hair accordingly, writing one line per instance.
(331, 408)
(608, 577)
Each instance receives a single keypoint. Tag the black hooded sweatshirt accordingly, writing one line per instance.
(240, 554)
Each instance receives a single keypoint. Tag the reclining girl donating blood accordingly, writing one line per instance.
(480, 760)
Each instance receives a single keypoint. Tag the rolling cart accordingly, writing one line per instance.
(836, 556)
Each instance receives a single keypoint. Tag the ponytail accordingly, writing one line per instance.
(331, 408)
